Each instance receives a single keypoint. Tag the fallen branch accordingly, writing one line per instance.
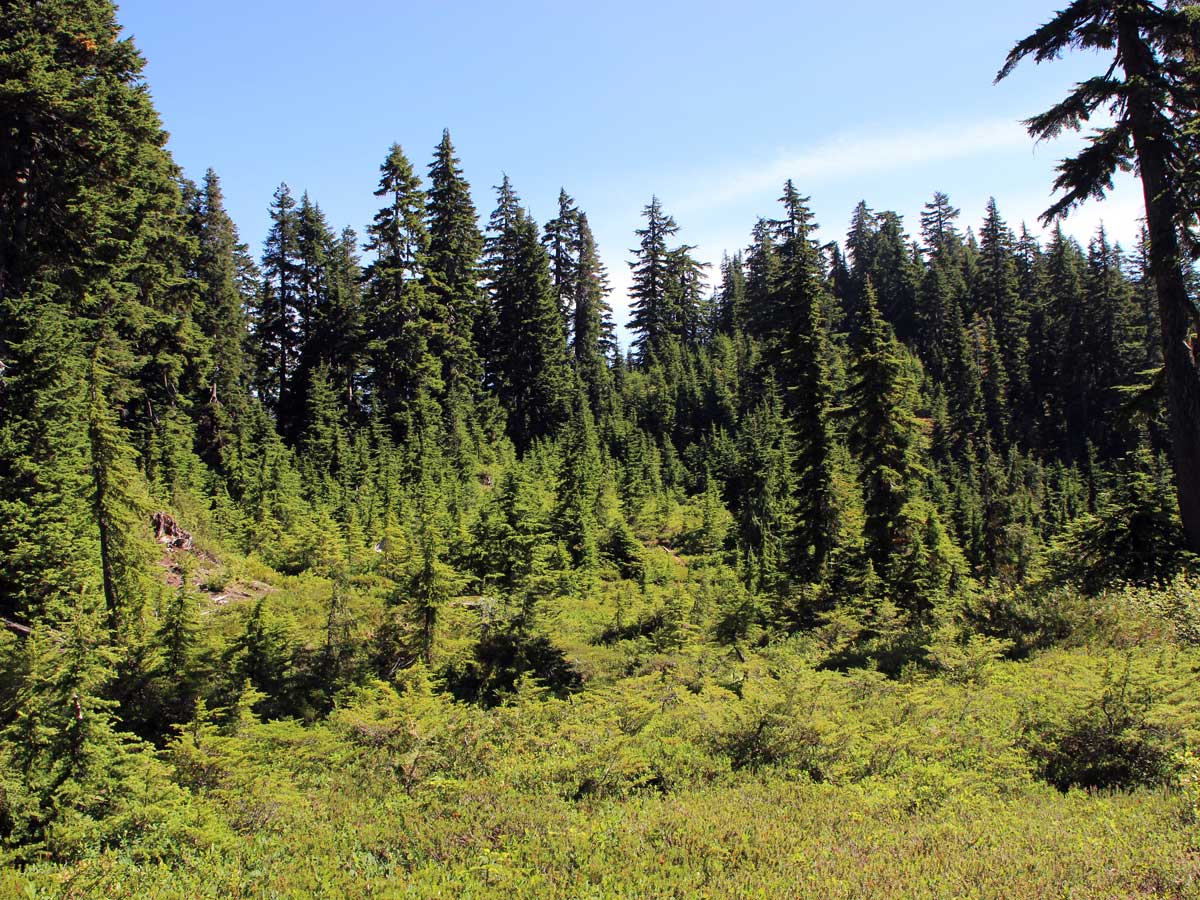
(17, 627)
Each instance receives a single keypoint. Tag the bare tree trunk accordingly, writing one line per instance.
(1176, 313)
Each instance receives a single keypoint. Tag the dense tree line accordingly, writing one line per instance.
(870, 431)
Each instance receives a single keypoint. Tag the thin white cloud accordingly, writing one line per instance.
(716, 218)
(1120, 214)
(856, 155)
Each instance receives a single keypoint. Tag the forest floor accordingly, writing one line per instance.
(684, 767)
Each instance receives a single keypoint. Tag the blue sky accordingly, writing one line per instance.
(708, 105)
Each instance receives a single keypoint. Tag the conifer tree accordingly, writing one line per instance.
(1157, 82)
(1112, 341)
(761, 494)
(803, 351)
(341, 322)
(430, 580)
(221, 316)
(650, 315)
(452, 273)
(685, 295)
(176, 641)
(533, 376)
(405, 325)
(1056, 347)
(315, 244)
(1134, 535)
(1031, 284)
(730, 309)
(937, 311)
(967, 403)
(938, 230)
(593, 337)
(561, 238)
(883, 434)
(895, 274)
(262, 663)
(997, 296)
(275, 324)
(860, 249)
(323, 443)
(119, 508)
(71, 780)
(93, 251)
(1146, 298)
(314, 239)
(995, 380)
(579, 486)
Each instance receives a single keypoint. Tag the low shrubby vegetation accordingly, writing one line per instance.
(643, 763)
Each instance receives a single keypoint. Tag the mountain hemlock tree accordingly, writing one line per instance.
(1142, 36)
(998, 296)
(532, 372)
(884, 435)
(452, 274)
(561, 239)
(579, 487)
(650, 318)
(119, 507)
(593, 335)
(341, 323)
(276, 325)
(403, 326)
(221, 315)
(804, 358)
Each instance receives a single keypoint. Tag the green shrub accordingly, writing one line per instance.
(1110, 743)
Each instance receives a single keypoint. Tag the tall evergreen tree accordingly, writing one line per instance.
(341, 323)
(579, 487)
(1146, 297)
(96, 329)
(72, 781)
(997, 296)
(730, 309)
(221, 315)
(431, 581)
(811, 397)
(404, 322)
(452, 273)
(44, 462)
(315, 245)
(938, 230)
(761, 495)
(275, 324)
(561, 239)
(1057, 349)
(895, 274)
(762, 277)
(593, 335)
(650, 315)
(533, 376)
(1143, 38)
(119, 508)
(685, 301)
(883, 433)
(314, 239)
(1113, 347)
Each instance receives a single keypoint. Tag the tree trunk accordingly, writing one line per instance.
(1176, 313)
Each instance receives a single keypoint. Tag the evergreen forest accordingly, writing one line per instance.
(386, 562)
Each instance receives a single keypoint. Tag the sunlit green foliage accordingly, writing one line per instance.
(860, 578)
